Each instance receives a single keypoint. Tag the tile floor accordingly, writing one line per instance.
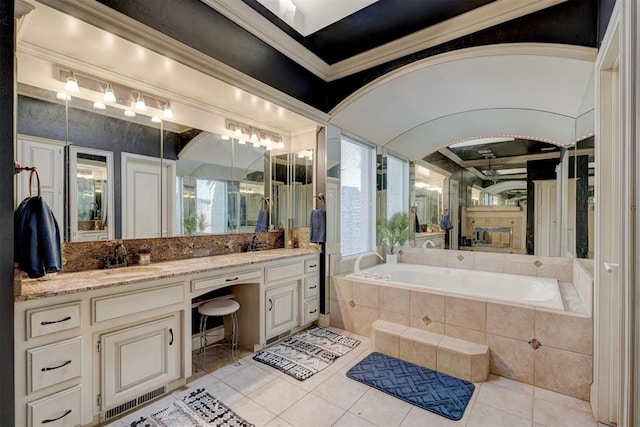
(267, 397)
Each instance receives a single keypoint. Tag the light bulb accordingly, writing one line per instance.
(268, 140)
(254, 136)
(224, 137)
(63, 96)
(99, 106)
(109, 94)
(129, 113)
(140, 105)
(72, 85)
(155, 119)
(269, 148)
(256, 144)
(167, 111)
(242, 141)
(280, 144)
(238, 132)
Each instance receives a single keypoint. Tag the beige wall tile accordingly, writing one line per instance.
(362, 318)
(479, 337)
(511, 358)
(488, 262)
(427, 304)
(565, 332)
(401, 319)
(419, 323)
(480, 367)
(454, 364)
(520, 264)
(341, 316)
(563, 371)
(435, 257)
(563, 273)
(510, 321)
(460, 259)
(583, 283)
(385, 342)
(418, 352)
(466, 313)
(341, 289)
(410, 255)
(394, 300)
(366, 294)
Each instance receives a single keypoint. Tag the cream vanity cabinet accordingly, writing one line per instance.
(86, 357)
(291, 296)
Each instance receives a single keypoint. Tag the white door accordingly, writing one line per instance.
(137, 360)
(282, 309)
(546, 218)
(48, 156)
(147, 192)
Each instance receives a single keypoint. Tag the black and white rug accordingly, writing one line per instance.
(307, 352)
(198, 408)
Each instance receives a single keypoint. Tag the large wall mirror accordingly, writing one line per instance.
(146, 147)
(508, 195)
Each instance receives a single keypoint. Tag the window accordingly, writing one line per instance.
(397, 185)
(357, 187)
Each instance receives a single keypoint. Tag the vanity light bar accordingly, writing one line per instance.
(258, 137)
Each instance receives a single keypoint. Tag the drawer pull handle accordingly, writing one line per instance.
(51, 420)
(313, 287)
(231, 280)
(314, 310)
(56, 367)
(270, 304)
(313, 266)
(51, 322)
(171, 333)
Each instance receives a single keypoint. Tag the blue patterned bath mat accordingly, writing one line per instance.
(307, 352)
(436, 392)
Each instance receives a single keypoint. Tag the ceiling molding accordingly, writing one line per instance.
(110, 20)
(487, 16)
(579, 53)
(524, 158)
(22, 8)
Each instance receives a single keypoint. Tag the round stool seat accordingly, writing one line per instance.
(218, 307)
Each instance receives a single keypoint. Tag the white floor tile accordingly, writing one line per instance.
(248, 379)
(485, 416)
(224, 393)
(381, 409)
(278, 422)
(510, 384)
(562, 399)
(252, 412)
(341, 391)
(552, 414)
(351, 420)
(277, 395)
(312, 411)
(418, 417)
(506, 400)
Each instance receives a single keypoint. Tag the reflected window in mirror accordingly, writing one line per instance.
(91, 194)
(429, 199)
(397, 185)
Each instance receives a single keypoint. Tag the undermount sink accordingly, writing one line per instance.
(134, 270)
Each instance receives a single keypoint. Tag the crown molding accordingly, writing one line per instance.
(478, 19)
(110, 20)
(22, 8)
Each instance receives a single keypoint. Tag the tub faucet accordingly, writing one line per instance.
(429, 244)
(356, 266)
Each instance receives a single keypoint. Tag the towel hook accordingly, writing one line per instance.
(265, 202)
(34, 171)
(320, 197)
(17, 168)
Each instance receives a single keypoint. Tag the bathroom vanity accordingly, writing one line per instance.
(93, 344)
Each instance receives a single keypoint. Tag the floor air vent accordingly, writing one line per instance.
(114, 412)
(278, 337)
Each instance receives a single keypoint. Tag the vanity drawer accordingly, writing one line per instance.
(311, 265)
(225, 280)
(112, 307)
(44, 321)
(279, 272)
(54, 363)
(311, 310)
(311, 286)
(60, 410)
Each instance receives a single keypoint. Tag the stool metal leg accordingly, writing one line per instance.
(203, 338)
(234, 335)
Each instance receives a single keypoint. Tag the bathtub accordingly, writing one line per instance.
(516, 289)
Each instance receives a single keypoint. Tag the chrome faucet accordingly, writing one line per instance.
(356, 266)
(120, 254)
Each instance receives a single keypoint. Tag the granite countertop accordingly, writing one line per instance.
(67, 283)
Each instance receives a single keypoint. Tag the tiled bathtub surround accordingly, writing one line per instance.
(563, 361)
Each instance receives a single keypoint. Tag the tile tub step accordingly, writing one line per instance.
(452, 356)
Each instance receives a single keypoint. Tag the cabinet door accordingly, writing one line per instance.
(139, 359)
(282, 308)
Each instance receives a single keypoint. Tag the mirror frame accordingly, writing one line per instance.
(73, 152)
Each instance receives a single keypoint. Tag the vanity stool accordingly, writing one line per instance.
(221, 307)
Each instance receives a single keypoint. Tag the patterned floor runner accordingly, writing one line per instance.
(307, 353)
(431, 390)
(196, 409)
